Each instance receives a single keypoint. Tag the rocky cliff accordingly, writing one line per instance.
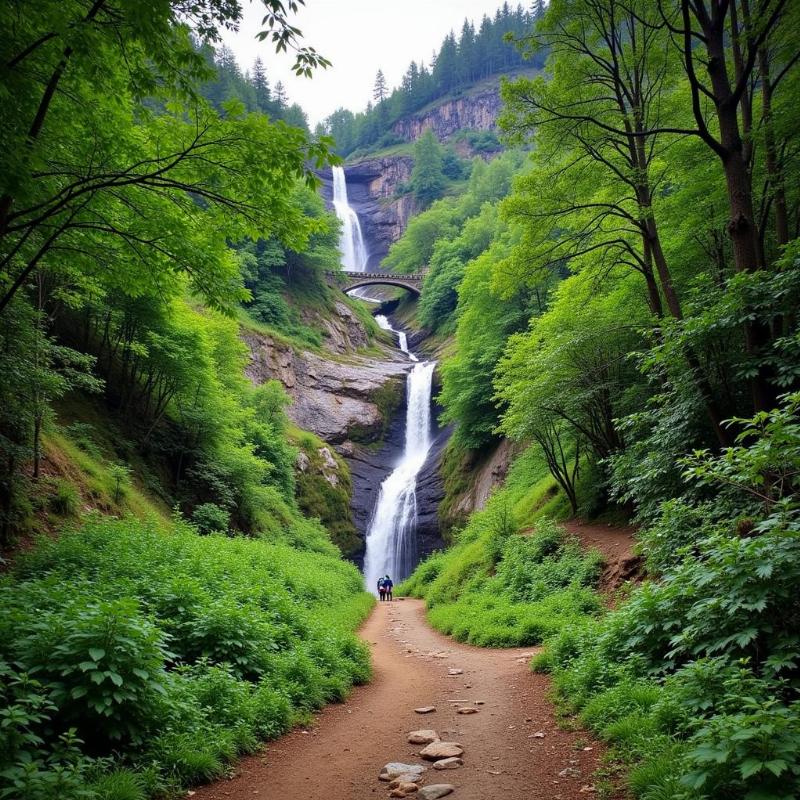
(375, 183)
(355, 403)
(476, 111)
(336, 399)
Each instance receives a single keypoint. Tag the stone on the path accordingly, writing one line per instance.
(569, 772)
(394, 769)
(537, 735)
(448, 763)
(423, 737)
(409, 777)
(404, 789)
(435, 791)
(438, 750)
(468, 710)
(425, 710)
(455, 671)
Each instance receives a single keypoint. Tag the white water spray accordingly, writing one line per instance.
(354, 251)
(401, 336)
(391, 538)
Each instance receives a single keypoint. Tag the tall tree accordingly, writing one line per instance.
(427, 178)
(720, 44)
(280, 96)
(617, 117)
(261, 85)
(379, 90)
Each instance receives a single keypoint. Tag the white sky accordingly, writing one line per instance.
(359, 37)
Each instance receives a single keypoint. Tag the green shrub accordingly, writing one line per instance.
(694, 678)
(121, 784)
(65, 500)
(211, 518)
(498, 589)
(164, 656)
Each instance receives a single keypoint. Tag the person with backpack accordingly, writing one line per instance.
(381, 589)
(387, 587)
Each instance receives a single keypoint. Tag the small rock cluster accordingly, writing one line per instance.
(406, 779)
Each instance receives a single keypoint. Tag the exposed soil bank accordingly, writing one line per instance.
(339, 758)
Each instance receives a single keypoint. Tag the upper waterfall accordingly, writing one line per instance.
(351, 243)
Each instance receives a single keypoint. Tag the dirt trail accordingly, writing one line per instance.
(341, 756)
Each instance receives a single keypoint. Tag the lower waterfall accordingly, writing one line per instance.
(391, 546)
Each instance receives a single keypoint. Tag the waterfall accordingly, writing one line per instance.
(351, 243)
(391, 538)
(401, 336)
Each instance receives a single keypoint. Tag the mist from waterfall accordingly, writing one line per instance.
(391, 537)
(351, 243)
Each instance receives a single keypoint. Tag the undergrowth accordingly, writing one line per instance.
(497, 588)
(695, 679)
(134, 662)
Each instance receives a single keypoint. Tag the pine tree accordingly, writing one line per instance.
(261, 86)
(427, 178)
(280, 96)
(537, 9)
(379, 90)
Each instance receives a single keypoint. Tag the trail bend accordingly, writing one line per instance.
(339, 758)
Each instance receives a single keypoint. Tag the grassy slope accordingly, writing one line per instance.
(498, 584)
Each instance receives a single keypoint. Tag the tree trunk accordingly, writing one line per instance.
(742, 227)
(771, 153)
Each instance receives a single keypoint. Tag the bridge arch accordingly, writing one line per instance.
(387, 281)
(347, 281)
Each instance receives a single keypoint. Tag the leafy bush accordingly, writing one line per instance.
(210, 518)
(694, 679)
(133, 660)
(65, 499)
(497, 588)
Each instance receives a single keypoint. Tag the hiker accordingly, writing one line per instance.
(387, 587)
(381, 589)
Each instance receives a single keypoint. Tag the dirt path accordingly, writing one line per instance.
(341, 756)
(616, 543)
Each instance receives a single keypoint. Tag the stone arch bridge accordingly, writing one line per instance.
(348, 280)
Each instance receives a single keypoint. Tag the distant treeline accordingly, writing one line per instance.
(251, 88)
(474, 55)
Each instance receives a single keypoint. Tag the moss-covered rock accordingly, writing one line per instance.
(323, 488)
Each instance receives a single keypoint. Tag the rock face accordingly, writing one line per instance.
(369, 468)
(473, 111)
(353, 403)
(335, 400)
(486, 472)
(430, 491)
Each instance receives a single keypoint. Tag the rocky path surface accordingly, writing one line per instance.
(513, 748)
